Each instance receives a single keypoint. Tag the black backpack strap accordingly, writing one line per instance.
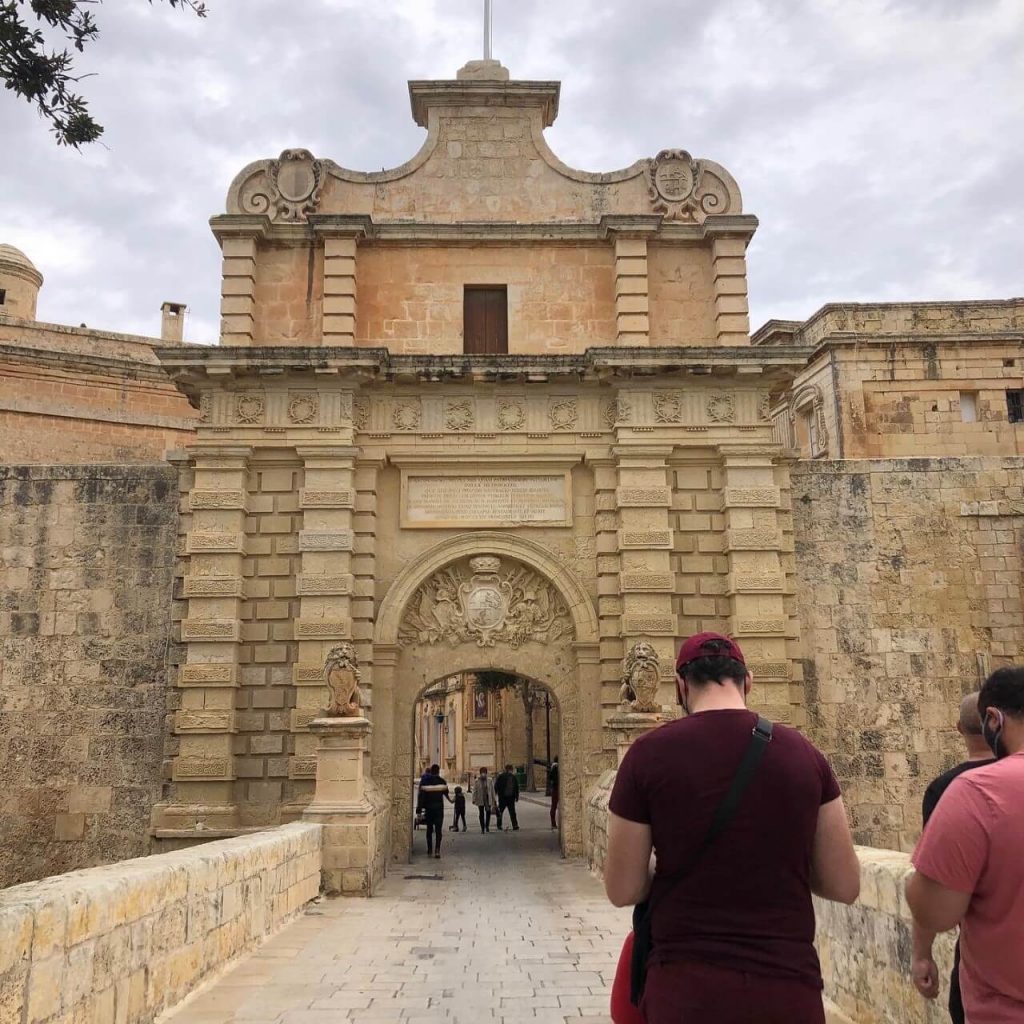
(760, 737)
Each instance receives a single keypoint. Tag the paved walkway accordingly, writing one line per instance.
(501, 930)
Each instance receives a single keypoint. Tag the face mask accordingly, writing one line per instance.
(994, 735)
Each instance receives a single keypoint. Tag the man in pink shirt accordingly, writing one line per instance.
(970, 862)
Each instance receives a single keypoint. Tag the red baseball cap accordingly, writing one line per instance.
(701, 646)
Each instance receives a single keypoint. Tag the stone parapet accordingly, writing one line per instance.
(865, 948)
(126, 942)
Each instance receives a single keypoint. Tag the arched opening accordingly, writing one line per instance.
(487, 602)
(489, 720)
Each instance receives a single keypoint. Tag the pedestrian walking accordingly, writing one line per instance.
(432, 795)
(748, 822)
(553, 778)
(483, 798)
(924, 973)
(460, 810)
(506, 788)
(968, 865)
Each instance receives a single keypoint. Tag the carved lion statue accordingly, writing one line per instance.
(341, 670)
(640, 672)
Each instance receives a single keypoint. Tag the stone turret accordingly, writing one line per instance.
(19, 283)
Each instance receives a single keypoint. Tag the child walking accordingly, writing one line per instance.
(460, 811)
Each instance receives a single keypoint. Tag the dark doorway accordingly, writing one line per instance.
(485, 319)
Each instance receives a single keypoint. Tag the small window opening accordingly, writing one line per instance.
(1009, 362)
(969, 406)
(3, 296)
(1015, 406)
(485, 319)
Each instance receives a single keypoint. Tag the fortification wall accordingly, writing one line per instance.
(86, 569)
(125, 942)
(908, 589)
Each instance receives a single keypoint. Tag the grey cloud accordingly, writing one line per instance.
(882, 153)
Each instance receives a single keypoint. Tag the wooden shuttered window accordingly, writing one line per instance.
(485, 320)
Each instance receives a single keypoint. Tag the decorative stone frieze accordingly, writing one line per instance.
(204, 768)
(644, 497)
(323, 629)
(217, 499)
(752, 497)
(215, 541)
(654, 581)
(212, 630)
(204, 721)
(310, 498)
(212, 675)
(642, 539)
(663, 625)
(323, 584)
(325, 540)
(213, 586)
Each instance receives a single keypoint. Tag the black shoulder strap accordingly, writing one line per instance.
(760, 737)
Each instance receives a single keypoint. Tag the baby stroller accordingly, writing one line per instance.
(420, 818)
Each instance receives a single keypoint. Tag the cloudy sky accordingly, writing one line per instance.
(880, 142)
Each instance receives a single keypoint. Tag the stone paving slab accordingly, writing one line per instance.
(508, 933)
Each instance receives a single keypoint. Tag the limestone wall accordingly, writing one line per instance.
(560, 297)
(125, 942)
(85, 609)
(73, 395)
(908, 586)
(865, 949)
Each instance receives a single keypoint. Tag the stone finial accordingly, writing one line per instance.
(640, 673)
(483, 71)
(341, 671)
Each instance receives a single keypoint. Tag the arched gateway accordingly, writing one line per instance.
(486, 601)
(479, 411)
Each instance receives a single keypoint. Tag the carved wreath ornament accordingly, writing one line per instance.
(489, 605)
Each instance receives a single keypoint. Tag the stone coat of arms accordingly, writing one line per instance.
(489, 606)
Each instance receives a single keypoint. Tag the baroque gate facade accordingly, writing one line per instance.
(600, 472)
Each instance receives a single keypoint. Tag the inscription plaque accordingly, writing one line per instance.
(484, 499)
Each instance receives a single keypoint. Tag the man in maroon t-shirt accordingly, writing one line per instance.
(732, 941)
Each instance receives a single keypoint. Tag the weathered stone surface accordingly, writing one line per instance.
(124, 943)
(85, 617)
(905, 606)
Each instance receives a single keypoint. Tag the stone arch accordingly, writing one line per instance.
(561, 665)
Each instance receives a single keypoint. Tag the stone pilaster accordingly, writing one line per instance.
(350, 862)
(609, 563)
(340, 246)
(239, 238)
(646, 581)
(756, 584)
(627, 726)
(324, 588)
(732, 313)
(632, 322)
(203, 771)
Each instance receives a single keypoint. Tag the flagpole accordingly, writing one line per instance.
(487, 29)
